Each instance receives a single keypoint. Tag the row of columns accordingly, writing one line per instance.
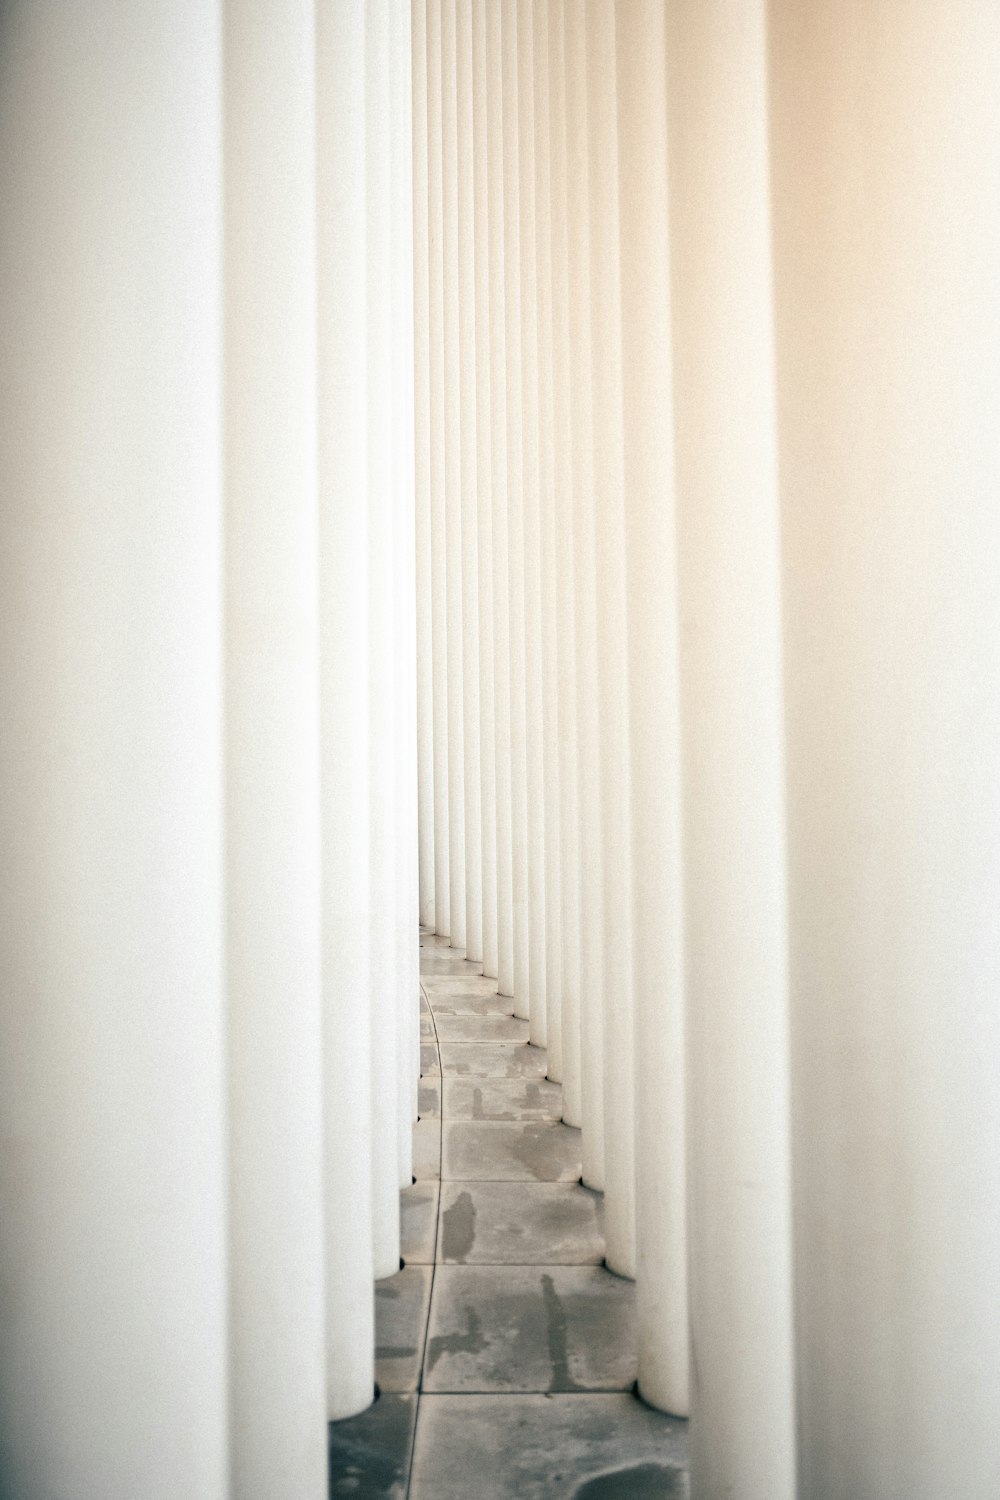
(208, 898)
(729, 350)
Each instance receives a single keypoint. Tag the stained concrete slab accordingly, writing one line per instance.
(521, 1223)
(502, 1099)
(565, 1447)
(429, 1097)
(430, 1067)
(418, 1211)
(530, 1328)
(492, 1060)
(370, 1453)
(427, 1149)
(532, 1151)
(400, 1323)
(481, 1028)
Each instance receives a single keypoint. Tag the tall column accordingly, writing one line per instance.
(546, 1023)
(484, 488)
(276, 1247)
(344, 698)
(562, 439)
(651, 573)
(588, 819)
(534, 701)
(612, 642)
(515, 504)
(886, 136)
(469, 440)
(112, 1176)
(453, 470)
(404, 563)
(438, 523)
(385, 848)
(739, 1208)
(498, 467)
(422, 467)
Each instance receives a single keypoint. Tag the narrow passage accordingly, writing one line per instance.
(506, 1352)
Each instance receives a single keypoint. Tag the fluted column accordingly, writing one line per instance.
(568, 1035)
(611, 604)
(345, 711)
(484, 489)
(424, 540)
(886, 136)
(112, 1122)
(498, 466)
(651, 572)
(546, 1024)
(739, 1219)
(588, 707)
(276, 1246)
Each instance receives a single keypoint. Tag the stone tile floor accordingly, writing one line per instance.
(506, 1351)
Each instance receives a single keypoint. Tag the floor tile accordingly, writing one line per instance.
(547, 1448)
(425, 1007)
(370, 1453)
(429, 1097)
(427, 1149)
(502, 1099)
(534, 1151)
(521, 1223)
(492, 1060)
(481, 1029)
(400, 1320)
(418, 1207)
(429, 1065)
(445, 963)
(459, 984)
(435, 940)
(459, 1003)
(530, 1328)
(426, 1027)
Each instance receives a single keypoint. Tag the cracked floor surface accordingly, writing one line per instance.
(506, 1352)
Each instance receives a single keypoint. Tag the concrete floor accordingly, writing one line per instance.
(506, 1353)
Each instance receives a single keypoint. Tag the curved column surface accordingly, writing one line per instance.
(422, 469)
(469, 481)
(515, 503)
(651, 575)
(588, 820)
(498, 466)
(484, 490)
(546, 1024)
(276, 1249)
(385, 848)
(533, 701)
(611, 628)
(452, 460)
(436, 474)
(345, 710)
(112, 1062)
(562, 438)
(732, 713)
(887, 240)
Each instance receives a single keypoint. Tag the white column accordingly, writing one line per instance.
(112, 1063)
(534, 700)
(276, 1244)
(546, 1018)
(422, 466)
(568, 1033)
(345, 712)
(469, 475)
(739, 1209)
(404, 560)
(588, 822)
(453, 472)
(515, 504)
(484, 489)
(438, 523)
(612, 642)
(498, 466)
(381, 645)
(653, 695)
(887, 236)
